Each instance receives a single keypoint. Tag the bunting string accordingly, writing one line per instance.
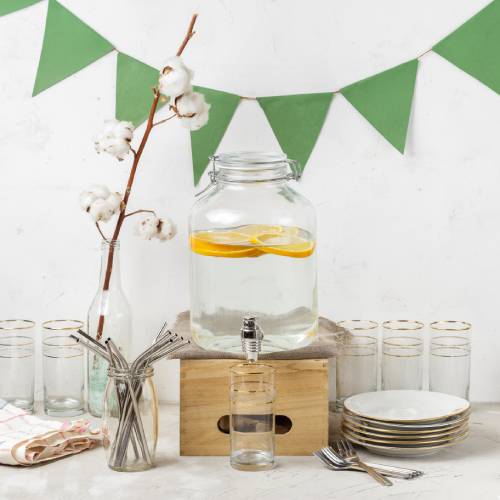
(384, 99)
(338, 91)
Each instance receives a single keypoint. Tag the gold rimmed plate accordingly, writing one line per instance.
(390, 427)
(390, 433)
(424, 424)
(395, 451)
(418, 443)
(404, 436)
(406, 406)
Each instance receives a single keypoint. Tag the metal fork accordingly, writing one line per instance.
(386, 470)
(336, 460)
(347, 452)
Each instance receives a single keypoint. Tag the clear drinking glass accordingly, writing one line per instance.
(449, 361)
(113, 309)
(402, 355)
(357, 360)
(252, 395)
(63, 369)
(253, 233)
(130, 440)
(17, 363)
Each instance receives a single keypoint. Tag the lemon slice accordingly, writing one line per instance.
(222, 237)
(228, 252)
(223, 244)
(256, 229)
(252, 240)
(286, 245)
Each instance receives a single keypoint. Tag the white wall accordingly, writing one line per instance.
(400, 236)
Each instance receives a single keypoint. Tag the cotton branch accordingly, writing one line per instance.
(133, 170)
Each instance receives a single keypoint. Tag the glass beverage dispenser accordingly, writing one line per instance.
(253, 242)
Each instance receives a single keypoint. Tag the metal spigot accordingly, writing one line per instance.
(251, 338)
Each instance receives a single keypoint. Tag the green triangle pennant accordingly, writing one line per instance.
(68, 46)
(204, 142)
(134, 83)
(8, 6)
(475, 46)
(297, 121)
(385, 101)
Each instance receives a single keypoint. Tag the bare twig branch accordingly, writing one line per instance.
(163, 121)
(100, 231)
(139, 212)
(188, 36)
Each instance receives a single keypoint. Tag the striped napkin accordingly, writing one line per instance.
(28, 440)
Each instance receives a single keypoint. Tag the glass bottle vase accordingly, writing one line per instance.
(114, 308)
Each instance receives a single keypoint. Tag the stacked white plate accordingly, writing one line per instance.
(405, 423)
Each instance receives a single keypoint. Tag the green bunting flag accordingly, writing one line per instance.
(296, 121)
(134, 83)
(8, 6)
(68, 46)
(204, 142)
(385, 101)
(475, 46)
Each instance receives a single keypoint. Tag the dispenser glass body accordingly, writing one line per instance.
(253, 250)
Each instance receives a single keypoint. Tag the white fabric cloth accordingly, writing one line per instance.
(27, 440)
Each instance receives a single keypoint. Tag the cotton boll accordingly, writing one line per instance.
(114, 200)
(147, 227)
(193, 110)
(118, 129)
(86, 199)
(124, 130)
(174, 83)
(115, 138)
(175, 63)
(99, 191)
(118, 148)
(175, 79)
(190, 103)
(100, 211)
(109, 127)
(196, 122)
(166, 229)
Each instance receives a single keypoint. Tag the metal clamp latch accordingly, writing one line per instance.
(296, 172)
(212, 176)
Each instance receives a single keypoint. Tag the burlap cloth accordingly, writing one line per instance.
(325, 345)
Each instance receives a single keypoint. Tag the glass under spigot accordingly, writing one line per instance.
(252, 394)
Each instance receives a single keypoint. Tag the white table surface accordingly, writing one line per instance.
(470, 470)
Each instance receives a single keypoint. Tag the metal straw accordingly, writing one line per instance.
(130, 429)
(90, 347)
(130, 396)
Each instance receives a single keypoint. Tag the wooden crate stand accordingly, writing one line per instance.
(302, 396)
